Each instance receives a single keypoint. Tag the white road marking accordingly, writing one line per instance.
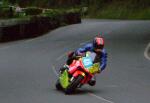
(63, 55)
(100, 98)
(60, 57)
(54, 70)
(83, 43)
(146, 52)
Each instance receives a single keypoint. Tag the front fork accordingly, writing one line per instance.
(86, 78)
(78, 72)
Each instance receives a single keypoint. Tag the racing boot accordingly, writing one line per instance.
(92, 82)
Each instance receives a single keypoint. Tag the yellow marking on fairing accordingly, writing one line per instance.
(94, 68)
(83, 74)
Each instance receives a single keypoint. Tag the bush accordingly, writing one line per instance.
(73, 10)
(51, 12)
(33, 11)
(6, 12)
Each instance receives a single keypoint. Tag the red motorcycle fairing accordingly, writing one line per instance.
(73, 66)
(78, 72)
(75, 71)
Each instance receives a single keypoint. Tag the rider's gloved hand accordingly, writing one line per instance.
(66, 67)
(99, 71)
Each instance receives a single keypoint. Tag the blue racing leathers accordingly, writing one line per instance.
(89, 47)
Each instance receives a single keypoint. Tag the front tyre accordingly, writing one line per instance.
(73, 85)
(58, 85)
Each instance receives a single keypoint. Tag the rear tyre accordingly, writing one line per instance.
(73, 85)
(58, 85)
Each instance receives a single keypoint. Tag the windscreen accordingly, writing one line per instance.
(92, 55)
(88, 60)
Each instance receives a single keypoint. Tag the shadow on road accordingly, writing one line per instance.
(81, 91)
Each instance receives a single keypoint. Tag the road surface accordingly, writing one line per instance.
(28, 68)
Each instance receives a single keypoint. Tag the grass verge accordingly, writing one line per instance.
(120, 10)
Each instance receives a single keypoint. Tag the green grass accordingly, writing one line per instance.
(120, 11)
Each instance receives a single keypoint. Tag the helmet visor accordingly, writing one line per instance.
(99, 46)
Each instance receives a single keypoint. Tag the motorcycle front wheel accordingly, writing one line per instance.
(73, 85)
(58, 85)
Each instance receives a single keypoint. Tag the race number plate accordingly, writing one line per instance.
(87, 62)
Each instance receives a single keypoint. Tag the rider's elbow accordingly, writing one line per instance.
(103, 67)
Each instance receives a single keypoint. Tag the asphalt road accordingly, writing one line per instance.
(28, 68)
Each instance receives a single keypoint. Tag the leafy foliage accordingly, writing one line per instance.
(96, 8)
(33, 11)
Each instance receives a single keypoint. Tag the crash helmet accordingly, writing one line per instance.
(98, 42)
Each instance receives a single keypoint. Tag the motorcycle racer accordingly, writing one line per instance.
(96, 46)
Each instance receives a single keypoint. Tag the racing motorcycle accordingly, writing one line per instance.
(79, 73)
